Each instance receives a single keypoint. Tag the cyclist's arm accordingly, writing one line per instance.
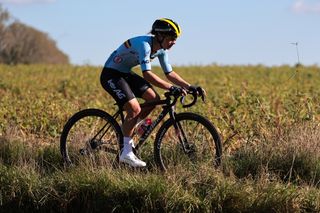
(167, 69)
(156, 80)
(145, 64)
(176, 79)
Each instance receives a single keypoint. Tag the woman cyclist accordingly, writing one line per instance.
(124, 85)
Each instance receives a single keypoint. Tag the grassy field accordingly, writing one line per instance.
(268, 117)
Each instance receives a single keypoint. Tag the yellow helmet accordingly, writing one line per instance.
(166, 26)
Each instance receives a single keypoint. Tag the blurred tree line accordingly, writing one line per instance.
(22, 44)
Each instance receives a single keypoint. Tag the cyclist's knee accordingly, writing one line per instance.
(150, 94)
(157, 97)
(132, 108)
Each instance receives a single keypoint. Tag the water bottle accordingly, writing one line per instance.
(142, 127)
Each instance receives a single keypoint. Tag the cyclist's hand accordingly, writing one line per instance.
(199, 90)
(176, 91)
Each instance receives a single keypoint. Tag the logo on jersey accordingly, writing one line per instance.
(118, 92)
(117, 59)
(145, 62)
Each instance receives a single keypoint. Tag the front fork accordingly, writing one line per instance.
(180, 133)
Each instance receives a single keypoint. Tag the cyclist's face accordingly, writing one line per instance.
(168, 42)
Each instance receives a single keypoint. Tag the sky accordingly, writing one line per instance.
(228, 32)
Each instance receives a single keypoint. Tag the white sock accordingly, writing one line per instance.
(127, 144)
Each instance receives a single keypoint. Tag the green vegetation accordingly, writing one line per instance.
(268, 117)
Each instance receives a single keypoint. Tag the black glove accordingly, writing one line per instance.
(198, 90)
(176, 91)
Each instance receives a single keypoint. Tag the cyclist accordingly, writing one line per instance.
(124, 85)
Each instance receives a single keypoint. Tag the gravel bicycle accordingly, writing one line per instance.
(185, 139)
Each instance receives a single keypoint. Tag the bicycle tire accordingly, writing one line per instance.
(76, 143)
(168, 151)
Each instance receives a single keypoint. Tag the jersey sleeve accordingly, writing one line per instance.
(164, 62)
(144, 56)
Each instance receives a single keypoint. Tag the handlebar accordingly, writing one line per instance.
(194, 100)
(194, 94)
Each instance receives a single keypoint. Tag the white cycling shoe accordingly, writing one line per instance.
(131, 159)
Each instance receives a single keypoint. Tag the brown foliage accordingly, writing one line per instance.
(20, 43)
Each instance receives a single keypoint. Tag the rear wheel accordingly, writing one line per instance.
(91, 136)
(194, 142)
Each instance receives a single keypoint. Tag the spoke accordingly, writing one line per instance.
(92, 139)
(198, 142)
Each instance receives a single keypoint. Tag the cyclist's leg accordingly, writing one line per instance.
(143, 89)
(116, 85)
(132, 108)
(149, 95)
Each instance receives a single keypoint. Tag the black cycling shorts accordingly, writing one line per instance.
(123, 86)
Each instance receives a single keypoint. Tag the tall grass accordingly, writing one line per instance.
(294, 157)
(30, 181)
(269, 123)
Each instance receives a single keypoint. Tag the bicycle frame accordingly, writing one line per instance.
(168, 108)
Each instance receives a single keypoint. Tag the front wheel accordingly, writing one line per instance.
(91, 136)
(190, 142)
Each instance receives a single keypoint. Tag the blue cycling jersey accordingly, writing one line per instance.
(136, 51)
